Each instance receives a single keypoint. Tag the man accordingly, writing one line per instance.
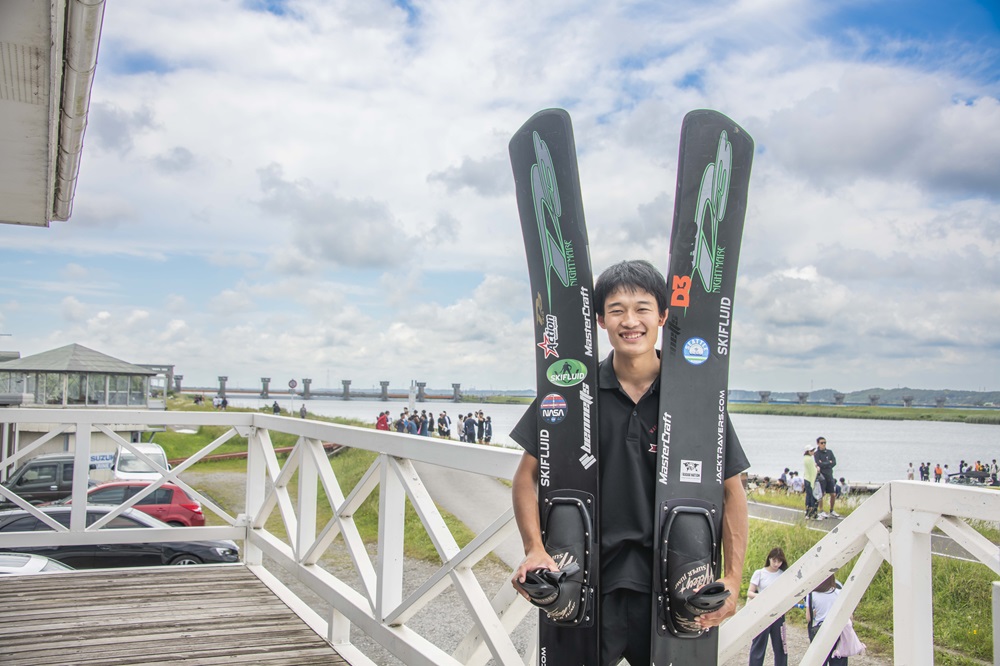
(630, 299)
(809, 474)
(826, 461)
(470, 429)
(383, 421)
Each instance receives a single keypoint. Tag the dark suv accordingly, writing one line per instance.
(42, 479)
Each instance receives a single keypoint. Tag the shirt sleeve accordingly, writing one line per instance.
(525, 433)
(736, 459)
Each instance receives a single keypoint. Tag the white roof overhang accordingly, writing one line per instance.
(48, 54)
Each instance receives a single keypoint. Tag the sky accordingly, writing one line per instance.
(322, 189)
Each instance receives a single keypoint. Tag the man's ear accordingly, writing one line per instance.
(600, 321)
(663, 317)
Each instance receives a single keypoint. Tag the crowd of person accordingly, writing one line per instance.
(473, 428)
(982, 472)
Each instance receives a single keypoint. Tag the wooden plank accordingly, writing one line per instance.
(163, 615)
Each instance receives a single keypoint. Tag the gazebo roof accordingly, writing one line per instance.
(74, 358)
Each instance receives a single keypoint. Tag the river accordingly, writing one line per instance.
(868, 451)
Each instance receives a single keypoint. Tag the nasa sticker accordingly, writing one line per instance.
(695, 351)
(690, 471)
(553, 408)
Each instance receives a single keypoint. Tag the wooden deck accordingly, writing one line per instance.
(195, 614)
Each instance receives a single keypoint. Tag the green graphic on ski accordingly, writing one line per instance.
(543, 157)
(713, 175)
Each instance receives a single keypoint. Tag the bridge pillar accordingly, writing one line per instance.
(838, 398)
(421, 396)
(873, 399)
(347, 388)
(939, 401)
(803, 398)
(385, 391)
(456, 396)
(907, 401)
(765, 397)
(264, 384)
(177, 383)
(306, 383)
(222, 386)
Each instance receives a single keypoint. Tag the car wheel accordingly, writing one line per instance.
(183, 560)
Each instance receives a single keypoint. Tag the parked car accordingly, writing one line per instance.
(25, 563)
(44, 478)
(99, 556)
(168, 503)
(129, 467)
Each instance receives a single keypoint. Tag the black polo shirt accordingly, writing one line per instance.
(627, 448)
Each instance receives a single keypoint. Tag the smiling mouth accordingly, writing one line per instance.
(632, 335)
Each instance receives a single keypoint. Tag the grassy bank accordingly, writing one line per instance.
(982, 416)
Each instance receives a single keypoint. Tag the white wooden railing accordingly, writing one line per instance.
(894, 526)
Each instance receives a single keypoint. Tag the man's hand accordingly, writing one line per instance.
(714, 619)
(534, 560)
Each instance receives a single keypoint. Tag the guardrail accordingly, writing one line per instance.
(893, 525)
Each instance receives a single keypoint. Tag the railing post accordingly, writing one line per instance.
(912, 608)
(255, 491)
(391, 509)
(996, 623)
(308, 487)
(81, 473)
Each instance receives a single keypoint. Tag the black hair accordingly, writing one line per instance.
(632, 276)
(827, 584)
(777, 553)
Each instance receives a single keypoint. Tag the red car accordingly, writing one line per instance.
(168, 503)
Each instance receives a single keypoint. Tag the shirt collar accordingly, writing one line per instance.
(607, 379)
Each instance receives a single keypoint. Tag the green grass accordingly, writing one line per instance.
(989, 417)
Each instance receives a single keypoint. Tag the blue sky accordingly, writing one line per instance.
(322, 189)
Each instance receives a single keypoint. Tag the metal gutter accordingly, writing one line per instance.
(79, 57)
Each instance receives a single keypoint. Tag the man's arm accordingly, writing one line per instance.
(735, 526)
(525, 499)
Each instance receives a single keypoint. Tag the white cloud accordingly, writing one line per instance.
(328, 192)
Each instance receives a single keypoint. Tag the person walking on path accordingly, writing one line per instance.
(809, 476)
(774, 566)
(909, 472)
(826, 461)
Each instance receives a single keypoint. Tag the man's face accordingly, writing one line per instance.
(822, 445)
(632, 321)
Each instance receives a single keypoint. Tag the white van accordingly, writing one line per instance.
(129, 467)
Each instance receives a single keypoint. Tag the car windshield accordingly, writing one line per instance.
(129, 462)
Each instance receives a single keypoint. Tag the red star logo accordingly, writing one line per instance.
(548, 347)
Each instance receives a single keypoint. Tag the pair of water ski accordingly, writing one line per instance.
(710, 205)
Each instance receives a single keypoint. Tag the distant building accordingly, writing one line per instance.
(75, 377)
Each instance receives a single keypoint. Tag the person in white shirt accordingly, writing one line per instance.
(759, 581)
(818, 606)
